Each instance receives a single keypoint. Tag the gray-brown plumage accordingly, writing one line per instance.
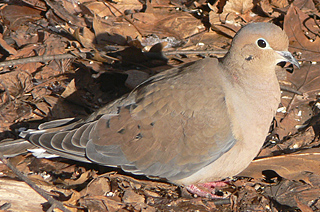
(198, 123)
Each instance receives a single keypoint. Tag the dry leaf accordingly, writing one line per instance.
(112, 9)
(70, 89)
(83, 177)
(285, 191)
(303, 207)
(98, 187)
(5, 46)
(297, 33)
(290, 166)
(238, 6)
(86, 38)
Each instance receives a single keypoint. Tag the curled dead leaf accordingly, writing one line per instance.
(290, 166)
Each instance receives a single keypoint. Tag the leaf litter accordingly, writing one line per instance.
(113, 46)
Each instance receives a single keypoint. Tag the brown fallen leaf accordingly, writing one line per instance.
(297, 34)
(101, 203)
(290, 166)
(130, 196)
(15, 16)
(166, 24)
(307, 81)
(292, 121)
(116, 8)
(62, 10)
(285, 192)
(84, 177)
(7, 47)
(303, 207)
(97, 187)
(305, 5)
(238, 6)
(247, 199)
(103, 35)
(297, 109)
(303, 140)
(86, 38)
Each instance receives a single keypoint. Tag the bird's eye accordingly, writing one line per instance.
(262, 43)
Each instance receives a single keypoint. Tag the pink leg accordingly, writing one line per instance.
(207, 189)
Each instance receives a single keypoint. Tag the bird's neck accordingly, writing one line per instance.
(257, 96)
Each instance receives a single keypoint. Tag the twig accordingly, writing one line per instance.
(291, 90)
(43, 193)
(41, 58)
(44, 58)
(196, 52)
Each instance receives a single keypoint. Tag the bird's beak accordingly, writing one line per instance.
(287, 56)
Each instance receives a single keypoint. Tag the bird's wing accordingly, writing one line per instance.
(171, 126)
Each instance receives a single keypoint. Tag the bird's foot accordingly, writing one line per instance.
(209, 190)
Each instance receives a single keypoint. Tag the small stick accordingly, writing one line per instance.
(44, 58)
(24, 178)
(196, 52)
(41, 58)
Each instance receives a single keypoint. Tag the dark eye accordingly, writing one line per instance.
(262, 43)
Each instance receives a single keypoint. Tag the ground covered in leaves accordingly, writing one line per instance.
(68, 58)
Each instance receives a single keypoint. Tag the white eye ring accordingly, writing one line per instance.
(263, 44)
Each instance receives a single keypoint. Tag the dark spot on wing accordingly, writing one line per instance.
(139, 136)
(122, 131)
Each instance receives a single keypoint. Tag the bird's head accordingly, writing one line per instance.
(260, 45)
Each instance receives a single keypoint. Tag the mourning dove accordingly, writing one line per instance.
(198, 123)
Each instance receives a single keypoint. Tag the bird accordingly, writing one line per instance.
(194, 124)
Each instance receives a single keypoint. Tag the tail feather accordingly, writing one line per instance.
(77, 135)
(67, 123)
(60, 137)
(69, 147)
(56, 143)
(44, 140)
(86, 134)
(11, 148)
